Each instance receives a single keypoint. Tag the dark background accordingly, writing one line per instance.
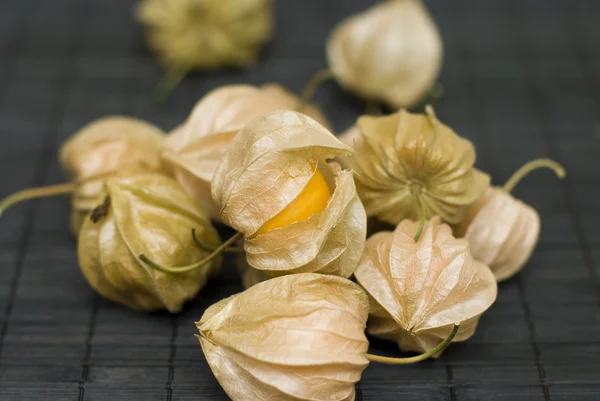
(521, 80)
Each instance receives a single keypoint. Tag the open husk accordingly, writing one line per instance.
(194, 150)
(146, 214)
(391, 52)
(206, 34)
(407, 165)
(107, 147)
(298, 337)
(503, 231)
(269, 164)
(418, 289)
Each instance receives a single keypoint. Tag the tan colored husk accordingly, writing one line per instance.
(193, 151)
(419, 289)
(391, 52)
(147, 214)
(298, 337)
(502, 232)
(269, 164)
(405, 163)
(206, 34)
(110, 146)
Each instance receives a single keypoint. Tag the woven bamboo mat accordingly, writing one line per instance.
(521, 80)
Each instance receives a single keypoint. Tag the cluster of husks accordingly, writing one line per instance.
(263, 162)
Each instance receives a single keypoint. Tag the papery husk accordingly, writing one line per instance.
(419, 289)
(194, 150)
(269, 164)
(107, 147)
(299, 337)
(206, 34)
(411, 164)
(391, 52)
(149, 214)
(502, 232)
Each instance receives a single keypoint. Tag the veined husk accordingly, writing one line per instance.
(109, 146)
(149, 214)
(407, 164)
(298, 337)
(194, 150)
(419, 289)
(206, 34)
(269, 164)
(502, 232)
(391, 52)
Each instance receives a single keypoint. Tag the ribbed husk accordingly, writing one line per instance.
(299, 337)
(391, 52)
(147, 214)
(418, 290)
(193, 151)
(206, 34)
(502, 232)
(107, 147)
(269, 164)
(405, 162)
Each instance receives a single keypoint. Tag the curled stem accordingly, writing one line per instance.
(35, 193)
(211, 248)
(168, 83)
(533, 165)
(311, 86)
(406, 361)
(183, 269)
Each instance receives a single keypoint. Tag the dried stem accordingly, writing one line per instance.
(421, 222)
(406, 361)
(311, 86)
(168, 83)
(35, 193)
(183, 269)
(533, 165)
(211, 248)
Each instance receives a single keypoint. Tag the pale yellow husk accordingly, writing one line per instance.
(194, 150)
(269, 164)
(107, 147)
(391, 52)
(292, 338)
(149, 214)
(406, 164)
(502, 232)
(206, 34)
(418, 290)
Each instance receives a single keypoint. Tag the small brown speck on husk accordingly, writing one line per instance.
(108, 147)
(149, 214)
